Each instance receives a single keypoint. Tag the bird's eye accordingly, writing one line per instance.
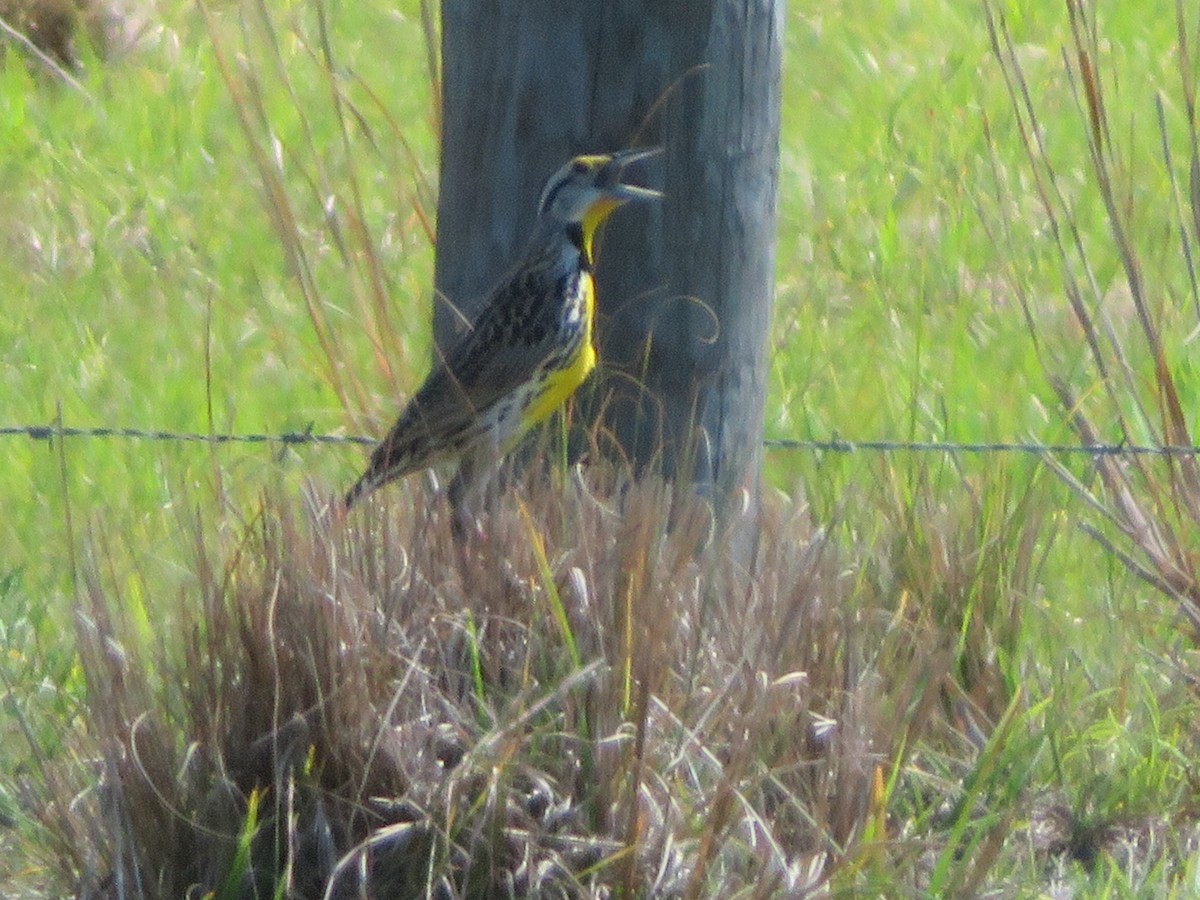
(579, 167)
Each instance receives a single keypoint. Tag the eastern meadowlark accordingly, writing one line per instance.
(528, 349)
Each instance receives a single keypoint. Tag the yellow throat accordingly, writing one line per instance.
(596, 214)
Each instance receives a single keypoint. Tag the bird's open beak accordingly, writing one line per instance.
(615, 167)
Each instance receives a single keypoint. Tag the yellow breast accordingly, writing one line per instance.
(561, 381)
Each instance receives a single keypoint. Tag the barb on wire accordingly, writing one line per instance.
(832, 445)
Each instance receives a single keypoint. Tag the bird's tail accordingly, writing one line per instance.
(362, 487)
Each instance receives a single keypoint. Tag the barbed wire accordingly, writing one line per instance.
(1032, 448)
(50, 432)
(830, 445)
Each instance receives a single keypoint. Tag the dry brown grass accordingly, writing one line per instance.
(52, 32)
(588, 698)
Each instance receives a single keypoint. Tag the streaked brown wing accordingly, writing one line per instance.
(516, 332)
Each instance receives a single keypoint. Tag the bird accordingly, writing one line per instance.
(528, 349)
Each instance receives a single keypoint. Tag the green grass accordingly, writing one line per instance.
(146, 286)
(147, 283)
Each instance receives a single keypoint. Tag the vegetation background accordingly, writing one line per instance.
(227, 230)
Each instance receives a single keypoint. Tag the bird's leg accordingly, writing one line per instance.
(459, 493)
(468, 492)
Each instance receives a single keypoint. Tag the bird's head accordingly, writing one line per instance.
(588, 188)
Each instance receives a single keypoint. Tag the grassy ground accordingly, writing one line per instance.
(1025, 703)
